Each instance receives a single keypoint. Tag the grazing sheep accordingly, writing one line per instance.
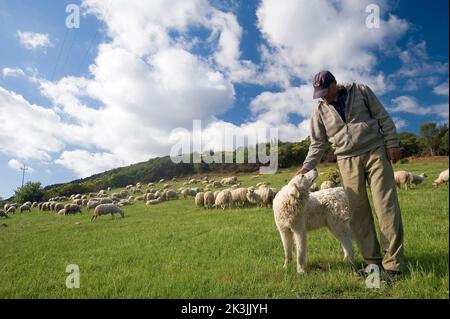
(224, 199)
(149, 196)
(327, 185)
(92, 204)
(297, 211)
(108, 189)
(105, 209)
(266, 195)
(253, 197)
(124, 202)
(28, 203)
(162, 180)
(3, 214)
(139, 198)
(83, 202)
(209, 200)
(11, 210)
(408, 179)
(442, 179)
(154, 201)
(106, 200)
(216, 184)
(78, 202)
(62, 212)
(170, 194)
(229, 180)
(59, 206)
(200, 200)
(24, 208)
(71, 209)
(151, 184)
(215, 194)
(34, 204)
(239, 196)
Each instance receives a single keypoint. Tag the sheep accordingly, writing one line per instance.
(408, 179)
(28, 204)
(208, 199)
(106, 200)
(104, 209)
(71, 209)
(326, 185)
(166, 186)
(162, 180)
(297, 211)
(151, 184)
(253, 197)
(224, 199)
(59, 206)
(11, 210)
(3, 214)
(24, 208)
(34, 204)
(216, 184)
(442, 179)
(154, 201)
(124, 202)
(229, 180)
(108, 189)
(200, 199)
(78, 202)
(92, 204)
(239, 196)
(266, 195)
(170, 194)
(139, 198)
(83, 202)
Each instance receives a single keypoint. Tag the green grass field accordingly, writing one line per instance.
(174, 250)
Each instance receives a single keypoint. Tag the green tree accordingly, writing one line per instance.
(409, 144)
(32, 192)
(429, 138)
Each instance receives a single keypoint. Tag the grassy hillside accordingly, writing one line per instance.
(174, 250)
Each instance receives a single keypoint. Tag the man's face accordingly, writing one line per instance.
(332, 92)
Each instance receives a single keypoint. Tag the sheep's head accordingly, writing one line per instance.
(301, 183)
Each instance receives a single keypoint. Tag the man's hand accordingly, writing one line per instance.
(393, 154)
(301, 170)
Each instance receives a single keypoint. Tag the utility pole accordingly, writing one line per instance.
(23, 169)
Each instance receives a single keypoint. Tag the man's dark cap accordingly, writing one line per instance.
(321, 83)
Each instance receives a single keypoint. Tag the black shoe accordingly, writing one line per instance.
(390, 276)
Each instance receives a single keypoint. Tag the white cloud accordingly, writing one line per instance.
(33, 40)
(409, 104)
(400, 123)
(12, 72)
(86, 164)
(17, 165)
(441, 89)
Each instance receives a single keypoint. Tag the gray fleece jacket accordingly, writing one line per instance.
(367, 126)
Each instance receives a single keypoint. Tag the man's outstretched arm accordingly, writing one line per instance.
(318, 145)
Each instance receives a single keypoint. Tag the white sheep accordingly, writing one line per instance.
(224, 199)
(253, 197)
(442, 179)
(199, 199)
(209, 199)
(71, 209)
(11, 210)
(155, 201)
(92, 204)
(239, 196)
(24, 208)
(327, 185)
(105, 209)
(266, 195)
(297, 211)
(408, 179)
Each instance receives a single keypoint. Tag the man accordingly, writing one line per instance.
(364, 139)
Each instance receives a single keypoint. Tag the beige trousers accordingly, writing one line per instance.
(374, 168)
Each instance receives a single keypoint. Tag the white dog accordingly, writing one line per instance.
(297, 211)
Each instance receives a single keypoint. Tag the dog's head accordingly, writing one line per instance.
(301, 183)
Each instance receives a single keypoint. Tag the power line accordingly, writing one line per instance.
(23, 169)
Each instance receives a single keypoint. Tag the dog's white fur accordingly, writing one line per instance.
(297, 211)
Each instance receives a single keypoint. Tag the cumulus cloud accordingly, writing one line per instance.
(33, 40)
(409, 104)
(86, 164)
(441, 89)
(12, 72)
(17, 165)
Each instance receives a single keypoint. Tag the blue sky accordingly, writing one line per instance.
(80, 101)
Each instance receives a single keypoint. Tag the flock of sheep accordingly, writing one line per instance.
(204, 197)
